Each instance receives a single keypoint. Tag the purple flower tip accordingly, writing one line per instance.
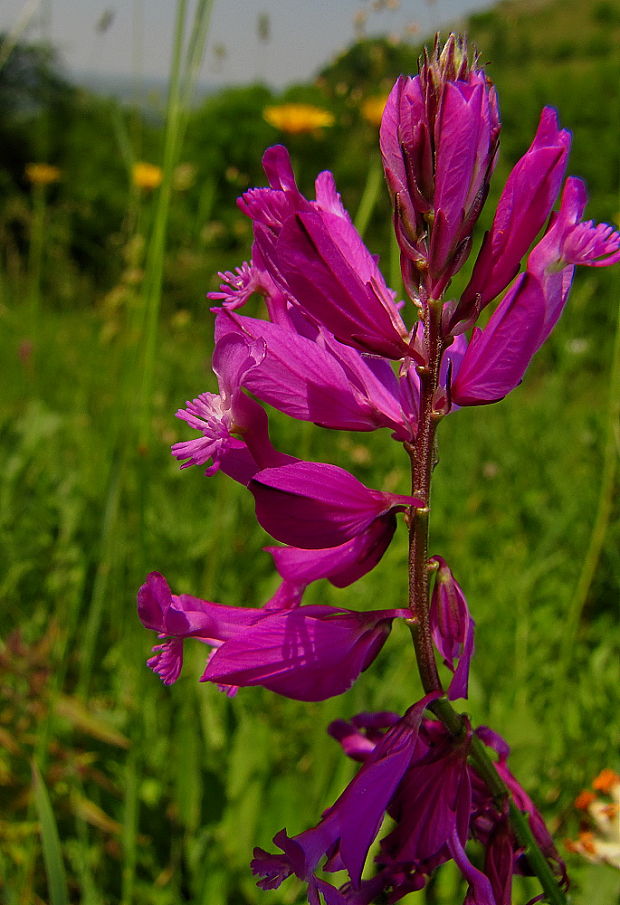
(167, 661)
(272, 869)
(439, 139)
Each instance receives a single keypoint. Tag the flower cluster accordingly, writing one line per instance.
(599, 836)
(338, 349)
(414, 770)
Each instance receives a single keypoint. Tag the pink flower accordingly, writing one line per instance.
(232, 427)
(304, 652)
(317, 262)
(524, 205)
(499, 354)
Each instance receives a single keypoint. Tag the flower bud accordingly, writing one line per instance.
(439, 139)
(452, 627)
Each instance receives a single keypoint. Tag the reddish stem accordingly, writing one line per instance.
(422, 454)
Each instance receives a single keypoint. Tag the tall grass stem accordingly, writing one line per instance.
(35, 255)
(52, 855)
(603, 511)
(370, 195)
(182, 82)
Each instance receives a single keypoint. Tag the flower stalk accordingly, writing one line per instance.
(336, 350)
(422, 455)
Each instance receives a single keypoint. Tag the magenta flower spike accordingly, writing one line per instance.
(337, 350)
(315, 505)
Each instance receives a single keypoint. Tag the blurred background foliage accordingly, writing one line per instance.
(157, 795)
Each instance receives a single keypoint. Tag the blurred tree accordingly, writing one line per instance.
(225, 137)
(31, 77)
(31, 82)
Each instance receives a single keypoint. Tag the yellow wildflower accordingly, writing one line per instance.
(42, 173)
(372, 109)
(146, 175)
(298, 118)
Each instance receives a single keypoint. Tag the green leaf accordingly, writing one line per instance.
(88, 722)
(52, 855)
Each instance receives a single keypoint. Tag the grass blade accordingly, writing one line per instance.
(52, 855)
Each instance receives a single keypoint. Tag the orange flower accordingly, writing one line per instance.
(146, 175)
(585, 845)
(606, 780)
(41, 173)
(372, 109)
(296, 119)
(599, 840)
(584, 800)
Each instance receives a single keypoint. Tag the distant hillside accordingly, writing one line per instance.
(565, 53)
(560, 52)
(149, 93)
(556, 31)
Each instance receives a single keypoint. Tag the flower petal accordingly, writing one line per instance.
(182, 615)
(342, 565)
(316, 505)
(297, 376)
(308, 653)
(333, 277)
(498, 355)
(523, 207)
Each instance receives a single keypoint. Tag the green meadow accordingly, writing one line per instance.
(116, 789)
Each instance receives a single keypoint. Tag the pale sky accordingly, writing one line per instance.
(304, 34)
